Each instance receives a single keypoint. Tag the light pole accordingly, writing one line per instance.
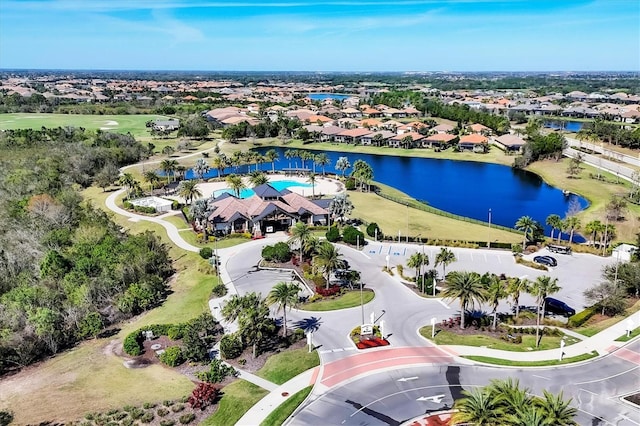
(361, 303)
(407, 222)
(489, 244)
(357, 242)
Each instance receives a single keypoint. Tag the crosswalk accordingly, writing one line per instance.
(327, 351)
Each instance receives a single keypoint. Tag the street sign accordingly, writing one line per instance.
(366, 329)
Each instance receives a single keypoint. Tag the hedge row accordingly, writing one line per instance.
(140, 209)
(581, 317)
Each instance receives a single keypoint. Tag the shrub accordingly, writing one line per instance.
(147, 418)
(350, 184)
(167, 423)
(187, 418)
(127, 205)
(162, 412)
(175, 205)
(581, 317)
(177, 408)
(136, 413)
(218, 371)
(280, 252)
(219, 290)
(351, 235)
(230, 346)
(333, 234)
(206, 252)
(127, 422)
(167, 403)
(371, 230)
(133, 343)
(148, 405)
(203, 395)
(172, 356)
(175, 332)
(326, 292)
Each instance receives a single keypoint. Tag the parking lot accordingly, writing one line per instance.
(575, 272)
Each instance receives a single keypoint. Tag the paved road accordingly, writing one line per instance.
(390, 395)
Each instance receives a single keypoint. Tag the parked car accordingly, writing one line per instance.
(559, 249)
(556, 306)
(545, 260)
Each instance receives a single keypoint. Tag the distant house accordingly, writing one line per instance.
(479, 128)
(510, 143)
(351, 135)
(442, 128)
(166, 125)
(473, 142)
(268, 210)
(399, 141)
(372, 139)
(439, 140)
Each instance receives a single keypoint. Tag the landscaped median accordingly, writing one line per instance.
(284, 410)
(346, 300)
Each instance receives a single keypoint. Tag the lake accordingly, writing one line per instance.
(464, 188)
(323, 96)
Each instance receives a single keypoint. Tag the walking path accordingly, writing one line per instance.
(603, 343)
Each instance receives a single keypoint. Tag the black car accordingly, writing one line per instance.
(545, 260)
(556, 306)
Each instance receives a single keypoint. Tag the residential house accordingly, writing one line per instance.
(373, 139)
(442, 128)
(352, 113)
(328, 133)
(166, 125)
(439, 140)
(400, 141)
(394, 113)
(509, 143)
(473, 142)
(371, 112)
(351, 135)
(480, 129)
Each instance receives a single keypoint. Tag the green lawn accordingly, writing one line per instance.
(445, 337)
(178, 221)
(135, 124)
(551, 362)
(237, 399)
(284, 410)
(635, 332)
(591, 328)
(284, 366)
(191, 238)
(347, 300)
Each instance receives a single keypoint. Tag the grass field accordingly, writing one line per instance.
(135, 124)
(284, 410)
(86, 379)
(238, 397)
(392, 217)
(286, 365)
(347, 300)
(444, 337)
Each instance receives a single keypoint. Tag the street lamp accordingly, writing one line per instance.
(361, 303)
(489, 245)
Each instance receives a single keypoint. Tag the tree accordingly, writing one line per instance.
(129, 182)
(106, 176)
(615, 208)
(593, 228)
(340, 206)
(608, 297)
(467, 287)
(194, 126)
(626, 275)
(555, 410)
(258, 178)
(444, 257)
(525, 224)
(151, 178)
(236, 183)
(542, 287)
(417, 261)
(322, 160)
(495, 292)
(572, 223)
(328, 259)
(219, 163)
(168, 167)
(188, 189)
(362, 172)
(300, 233)
(252, 313)
(284, 295)
(515, 287)
(555, 222)
(575, 164)
(201, 168)
(168, 150)
(342, 165)
(272, 156)
(312, 180)
(479, 407)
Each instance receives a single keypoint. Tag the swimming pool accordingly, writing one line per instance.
(279, 185)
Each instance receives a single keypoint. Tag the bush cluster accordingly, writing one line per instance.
(581, 317)
(140, 209)
(351, 235)
(172, 356)
(219, 290)
(333, 234)
(230, 346)
(327, 292)
(371, 231)
(206, 252)
(280, 252)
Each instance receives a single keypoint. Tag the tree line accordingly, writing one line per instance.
(66, 270)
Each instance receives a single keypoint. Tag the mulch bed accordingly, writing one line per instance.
(372, 342)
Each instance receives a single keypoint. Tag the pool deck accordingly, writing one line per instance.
(324, 185)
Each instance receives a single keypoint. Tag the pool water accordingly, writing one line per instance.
(278, 185)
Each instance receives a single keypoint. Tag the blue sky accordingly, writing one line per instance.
(334, 35)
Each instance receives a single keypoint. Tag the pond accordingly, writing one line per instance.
(323, 96)
(465, 188)
(569, 126)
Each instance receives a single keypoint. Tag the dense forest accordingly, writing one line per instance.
(66, 270)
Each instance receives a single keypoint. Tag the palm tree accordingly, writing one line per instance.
(495, 292)
(236, 183)
(528, 415)
(593, 228)
(515, 287)
(311, 245)
(322, 160)
(466, 286)
(525, 224)
(168, 167)
(254, 325)
(312, 180)
(200, 168)
(479, 407)
(258, 178)
(284, 295)
(289, 154)
(512, 396)
(556, 410)
(300, 233)
(417, 261)
(328, 259)
(555, 222)
(127, 181)
(572, 223)
(272, 156)
(168, 150)
(189, 190)
(542, 287)
(342, 165)
(219, 163)
(151, 178)
(444, 258)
